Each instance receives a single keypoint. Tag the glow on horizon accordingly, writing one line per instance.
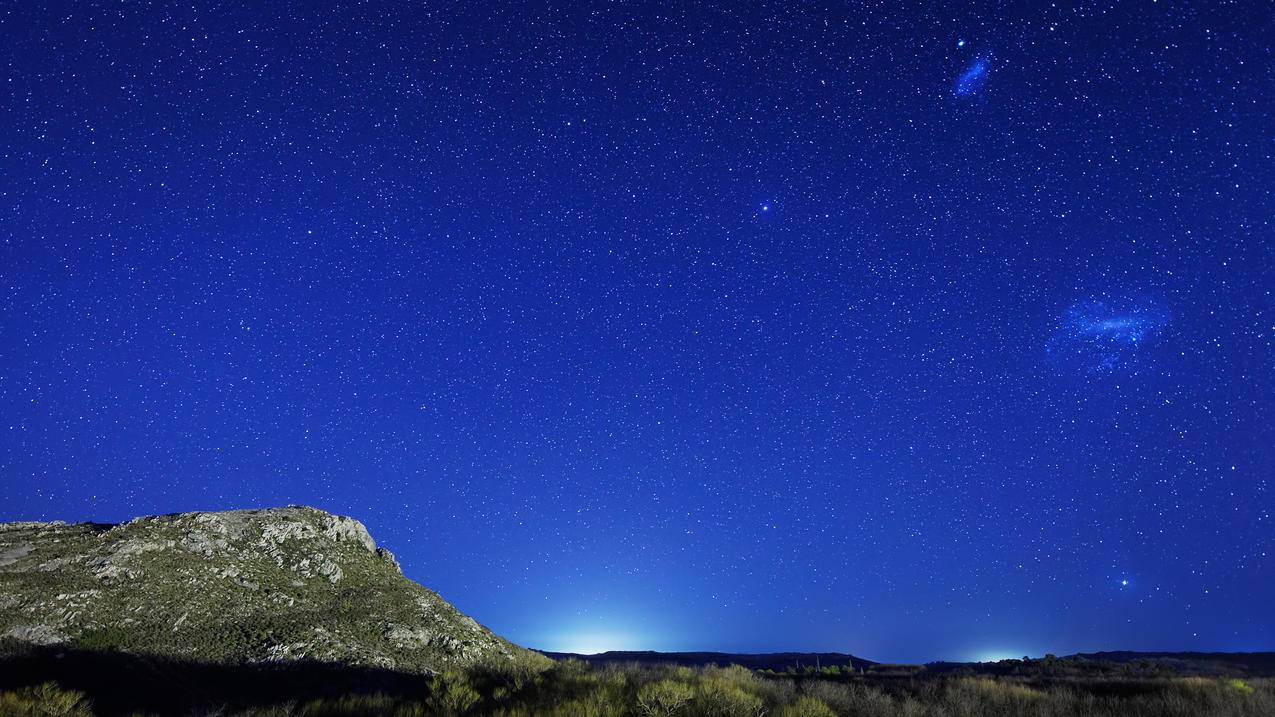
(997, 654)
(591, 643)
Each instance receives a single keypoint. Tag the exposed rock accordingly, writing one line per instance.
(343, 529)
(389, 557)
(14, 554)
(36, 634)
(407, 636)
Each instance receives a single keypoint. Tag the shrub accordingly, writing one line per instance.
(723, 699)
(997, 690)
(103, 638)
(663, 698)
(450, 693)
(375, 705)
(806, 707)
(46, 700)
(1239, 686)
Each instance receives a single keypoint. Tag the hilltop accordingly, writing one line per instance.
(273, 586)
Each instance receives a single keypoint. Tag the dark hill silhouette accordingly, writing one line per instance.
(1206, 663)
(778, 661)
(1254, 663)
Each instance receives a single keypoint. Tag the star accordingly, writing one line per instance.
(989, 286)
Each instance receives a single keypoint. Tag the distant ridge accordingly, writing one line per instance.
(1206, 663)
(1252, 662)
(753, 661)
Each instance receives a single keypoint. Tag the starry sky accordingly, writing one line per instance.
(886, 328)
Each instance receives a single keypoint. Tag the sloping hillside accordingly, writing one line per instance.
(252, 586)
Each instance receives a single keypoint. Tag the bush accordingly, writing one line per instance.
(1239, 686)
(806, 707)
(663, 698)
(724, 699)
(375, 705)
(46, 700)
(450, 693)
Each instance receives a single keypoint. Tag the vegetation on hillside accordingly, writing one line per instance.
(279, 585)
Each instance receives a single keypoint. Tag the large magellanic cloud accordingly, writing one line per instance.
(1106, 335)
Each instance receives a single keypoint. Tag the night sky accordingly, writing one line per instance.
(908, 332)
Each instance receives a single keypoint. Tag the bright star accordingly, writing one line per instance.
(1124, 583)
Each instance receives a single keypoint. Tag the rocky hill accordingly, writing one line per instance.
(251, 586)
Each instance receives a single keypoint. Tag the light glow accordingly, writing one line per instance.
(591, 643)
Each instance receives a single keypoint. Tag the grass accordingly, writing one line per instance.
(574, 689)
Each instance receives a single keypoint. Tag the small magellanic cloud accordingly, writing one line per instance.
(974, 78)
(1104, 335)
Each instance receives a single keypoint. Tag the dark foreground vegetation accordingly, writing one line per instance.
(40, 683)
